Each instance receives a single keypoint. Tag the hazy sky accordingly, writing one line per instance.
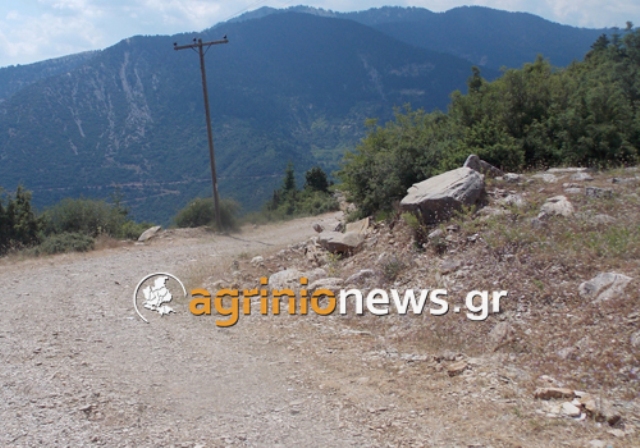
(34, 30)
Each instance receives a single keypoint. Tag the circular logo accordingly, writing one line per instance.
(157, 294)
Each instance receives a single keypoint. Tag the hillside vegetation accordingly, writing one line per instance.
(585, 115)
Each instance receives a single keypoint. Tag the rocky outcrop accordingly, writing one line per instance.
(438, 197)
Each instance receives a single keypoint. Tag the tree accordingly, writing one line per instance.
(316, 180)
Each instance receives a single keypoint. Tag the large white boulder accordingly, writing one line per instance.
(438, 197)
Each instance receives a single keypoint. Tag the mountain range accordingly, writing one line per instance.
(292, 85)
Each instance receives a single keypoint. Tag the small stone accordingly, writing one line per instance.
(546, 177)
(448, 266)
(603, 219)
(149, 233)
(557, 205)
(255, 261)
(438, 233)
(604, 286)
(512, 177)
(619, 433)
(597, 444)
(573, 190)
(360, 276)
(635, 339)
(570, 409)
(457, 368)
(318, 227)
(501, 332)
(548, 393)
(582, 176)
(595, 192)
(625, 180)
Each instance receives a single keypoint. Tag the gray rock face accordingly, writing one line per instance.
(335, 242)
(475, 163)
(436, 198)
(149, 233)
(604, 286)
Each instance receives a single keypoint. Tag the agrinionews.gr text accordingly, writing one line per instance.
(231, 303)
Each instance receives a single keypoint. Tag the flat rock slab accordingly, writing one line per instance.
(438, 197)
(336, 242)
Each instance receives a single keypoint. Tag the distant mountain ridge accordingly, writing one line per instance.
(484, 36)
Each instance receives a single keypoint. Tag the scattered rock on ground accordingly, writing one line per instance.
(149, 233)
(360, 276)
(604, 286)
(512, 177)
(289, 278)
(318, 227)
(635, 339)
(570, 409)
(546, 177)
(436, 198)
(548, 393)
(596, 192)
(582, 176)
(448, 266)
(333, 284)
(457, 368)
(558, 205)
(343, 243)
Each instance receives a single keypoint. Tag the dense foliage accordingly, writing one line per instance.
(313, 199)
(587, 114)
(200, 212)
(70, 225)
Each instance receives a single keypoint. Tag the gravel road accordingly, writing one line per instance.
(79, 368)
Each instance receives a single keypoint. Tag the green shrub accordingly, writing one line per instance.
(132, 230)
(65, 242)
(200, 212)
(88, 216)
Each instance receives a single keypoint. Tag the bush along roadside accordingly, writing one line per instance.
(70, 225)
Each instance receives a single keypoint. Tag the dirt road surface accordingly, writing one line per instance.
(79, 368)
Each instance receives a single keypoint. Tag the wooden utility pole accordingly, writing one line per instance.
(197, 43)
